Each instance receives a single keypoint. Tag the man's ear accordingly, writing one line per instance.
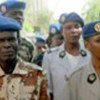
(87, 44)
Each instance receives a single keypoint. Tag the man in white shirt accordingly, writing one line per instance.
(62, 61)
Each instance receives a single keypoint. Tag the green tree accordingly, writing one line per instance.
(92, 10)
(33, 18)
(44, 18)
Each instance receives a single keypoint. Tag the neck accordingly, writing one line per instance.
(96, 64)
(8, 66)
(72, 48)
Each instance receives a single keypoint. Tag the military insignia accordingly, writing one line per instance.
(83, 53)
(3, 8)
(97, 27)
(62, 19)
(53, 30)
(62, 54)
(91, 78)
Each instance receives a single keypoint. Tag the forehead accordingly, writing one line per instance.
(71, 23)
(15, 10)
(94, 37)
(5, 34)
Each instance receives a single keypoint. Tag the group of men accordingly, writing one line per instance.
(71, 73)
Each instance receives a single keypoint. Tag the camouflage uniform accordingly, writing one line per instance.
(27, 82)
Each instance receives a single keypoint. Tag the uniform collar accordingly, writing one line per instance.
(62, 52)
(18, 68)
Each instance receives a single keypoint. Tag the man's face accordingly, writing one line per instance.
(40, 47)
(93, 45)
(16, 14)
(8, 45)
(56, 40)
(24, 53)
(71, 32)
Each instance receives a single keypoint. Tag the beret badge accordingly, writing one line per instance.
(53, 30)
(3, 8)
(63, 19)
(97, 27)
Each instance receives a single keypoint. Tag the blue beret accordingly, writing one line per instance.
(73, 17)
(54, 28)
(11, 5)
(62, 18)
(25, 42)
(91, 29)
(40, 40)
(8, 24)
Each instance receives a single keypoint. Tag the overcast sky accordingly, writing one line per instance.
(60, 6)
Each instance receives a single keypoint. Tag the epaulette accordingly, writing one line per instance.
(91, 78)
(83, 53)
(62, 54)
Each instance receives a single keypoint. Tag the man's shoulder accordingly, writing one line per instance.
(29, 67)
(52, 50)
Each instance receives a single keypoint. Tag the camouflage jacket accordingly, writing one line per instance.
(27, 82)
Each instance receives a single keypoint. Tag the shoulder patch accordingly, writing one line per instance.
(83, 53)
(62, 54)
(91, 78)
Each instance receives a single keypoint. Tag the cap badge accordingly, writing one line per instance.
(63, 19)
(97, 27)
(3, 8)
(53, 30)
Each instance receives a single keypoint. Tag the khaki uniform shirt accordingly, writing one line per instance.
(84, 84)
(27, 82)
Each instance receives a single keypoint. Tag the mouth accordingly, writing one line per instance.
(75, 38)
(10, 53)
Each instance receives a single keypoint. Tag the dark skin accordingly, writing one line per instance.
(17, 14)
(71, 32)
(93, 45)
(56, 40)
(8, 50)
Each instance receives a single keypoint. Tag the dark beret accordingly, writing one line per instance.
(54, 28)
(8, 24)
(91, 29)
(73, 17)
(62, 18)
(11, 5)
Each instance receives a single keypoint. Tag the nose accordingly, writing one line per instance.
(76, 31)
(7, 44)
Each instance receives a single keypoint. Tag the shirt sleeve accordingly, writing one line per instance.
(46, 66)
